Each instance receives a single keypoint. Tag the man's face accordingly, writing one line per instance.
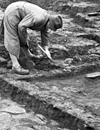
(51, 26)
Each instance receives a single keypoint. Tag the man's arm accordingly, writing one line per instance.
(26, 22)
(45, 42)
(44, 37)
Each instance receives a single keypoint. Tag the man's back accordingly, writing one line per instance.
(27, 7)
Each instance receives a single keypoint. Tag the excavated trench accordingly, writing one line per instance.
(32, 103)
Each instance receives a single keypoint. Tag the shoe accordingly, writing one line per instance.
(20, 71)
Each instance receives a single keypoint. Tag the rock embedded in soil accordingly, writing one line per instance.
(5, 121)
(13, 110)
(21, 128)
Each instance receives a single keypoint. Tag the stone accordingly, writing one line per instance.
(54, 123)
(14, 109)
(39, 127)
(38, 120)
(93, 75)
(54, 88)
(3, 71)
(9, 65)
(21, 128)
(2, 59)
(40, 116)
(5, 121)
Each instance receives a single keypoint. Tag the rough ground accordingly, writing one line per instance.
(14, 117)
(59, 91)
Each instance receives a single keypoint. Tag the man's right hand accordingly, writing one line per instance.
(48, 52)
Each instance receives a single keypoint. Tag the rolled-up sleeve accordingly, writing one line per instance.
(23, 25)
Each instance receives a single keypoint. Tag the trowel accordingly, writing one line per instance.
(53, 61)
(93, 75)
(45, 52)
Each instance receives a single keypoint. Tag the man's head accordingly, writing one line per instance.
(55, 22)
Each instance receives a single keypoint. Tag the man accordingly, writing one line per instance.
(18, 17)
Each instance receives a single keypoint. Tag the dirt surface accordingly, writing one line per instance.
(59, 90)
(14, 117)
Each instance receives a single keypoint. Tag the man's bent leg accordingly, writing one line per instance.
(16, 68)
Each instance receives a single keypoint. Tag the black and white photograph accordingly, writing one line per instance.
(49, 64)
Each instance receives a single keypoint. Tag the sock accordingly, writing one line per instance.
(14, 60)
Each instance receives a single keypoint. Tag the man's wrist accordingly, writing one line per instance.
(46, 48)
